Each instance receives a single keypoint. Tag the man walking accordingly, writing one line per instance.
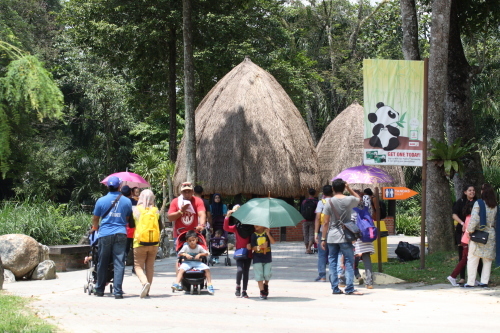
(307, 209)
(114, 211)
(318, 224)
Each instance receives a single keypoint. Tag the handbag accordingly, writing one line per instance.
(240, 254)
(481, 236)
(350, 229)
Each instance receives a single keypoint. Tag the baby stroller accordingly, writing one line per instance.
(193, 280)
(92, 271)
(218, 247)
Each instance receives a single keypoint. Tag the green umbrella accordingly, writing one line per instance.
(269, 213)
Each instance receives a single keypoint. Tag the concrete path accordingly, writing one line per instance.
(295, 303)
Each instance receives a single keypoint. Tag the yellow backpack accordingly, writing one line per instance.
(322, 217)
(147, 231)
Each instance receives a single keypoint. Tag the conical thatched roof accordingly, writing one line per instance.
(251, 139)
(341, 147)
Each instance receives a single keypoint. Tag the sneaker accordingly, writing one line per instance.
(98, 293)
(118, 296)
(453, 281)
(177, 287)
(238, 292)
(483, 285)
(467, 286)
(369, 286)
(266, 290)
(216, 260)
(210, 289)
(263, 294)
(244, 294)
(145, 290)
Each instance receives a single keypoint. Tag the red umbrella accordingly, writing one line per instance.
(129, 178)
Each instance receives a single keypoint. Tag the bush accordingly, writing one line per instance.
(47, 222)
(408, 224)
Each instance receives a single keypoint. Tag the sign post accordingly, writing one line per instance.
(397, 193)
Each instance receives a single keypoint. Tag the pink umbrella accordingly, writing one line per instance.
(365, 174)
(129, 178)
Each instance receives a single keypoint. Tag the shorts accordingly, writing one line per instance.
(262, 271)
(187, 265)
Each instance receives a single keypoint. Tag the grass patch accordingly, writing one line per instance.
(16, 317)
(438, 266)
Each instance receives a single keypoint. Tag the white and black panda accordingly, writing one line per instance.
(385, 131)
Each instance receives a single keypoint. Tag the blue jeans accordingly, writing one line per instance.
(111, 247)
(333, 257)
(322, 259)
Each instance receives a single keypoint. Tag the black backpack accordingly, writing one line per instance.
(307, 209)
(407, 252)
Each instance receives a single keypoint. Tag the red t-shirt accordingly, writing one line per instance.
(188, 221)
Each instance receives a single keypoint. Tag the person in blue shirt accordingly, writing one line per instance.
(114, 211)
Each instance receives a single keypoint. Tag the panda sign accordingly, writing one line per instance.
(393, 109)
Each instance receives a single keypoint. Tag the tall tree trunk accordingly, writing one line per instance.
(189, 91)
(310, 120)
(410, 30)
(439, 227)
(172, 98)
(458, 106)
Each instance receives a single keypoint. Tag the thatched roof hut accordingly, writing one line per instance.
(341, 147)
(251, 139)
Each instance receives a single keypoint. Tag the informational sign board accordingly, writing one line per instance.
(397, 193)
(393, 109)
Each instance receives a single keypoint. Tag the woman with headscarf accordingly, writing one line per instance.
(218, 210)
(145, 255)
(487, 207)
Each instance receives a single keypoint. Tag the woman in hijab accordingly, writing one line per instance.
(218, 211)
(145, 255)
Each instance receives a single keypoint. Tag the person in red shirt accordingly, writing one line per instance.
(187, 211)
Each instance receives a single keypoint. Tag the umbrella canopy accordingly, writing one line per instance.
(269, 213)
(251, 138)
(341, 147)
(129, 178)
(365, 174)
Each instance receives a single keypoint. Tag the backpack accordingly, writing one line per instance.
(308, 209)
(147, 231)
(244, 230)
(365, 224)
(407, 252)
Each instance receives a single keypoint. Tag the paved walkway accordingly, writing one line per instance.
(295, 304)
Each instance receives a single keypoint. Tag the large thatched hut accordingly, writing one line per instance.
(251, 138)
(341, 147)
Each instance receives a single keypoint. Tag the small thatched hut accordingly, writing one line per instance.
(341, 147)
(251, 139)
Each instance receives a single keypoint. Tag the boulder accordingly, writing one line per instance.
(46, 270)
(1, 274)
(19, 253)
(44, 252)
(8, 276)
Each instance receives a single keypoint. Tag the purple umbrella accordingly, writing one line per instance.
(364, 174)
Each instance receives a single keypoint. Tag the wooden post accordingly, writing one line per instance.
(424, 166)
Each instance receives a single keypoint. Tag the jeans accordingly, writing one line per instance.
(322, 259)
(333, 257)
(111, 247)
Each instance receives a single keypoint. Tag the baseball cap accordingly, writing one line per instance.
(186, 186)
(114, 181)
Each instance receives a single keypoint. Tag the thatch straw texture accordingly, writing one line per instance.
(251, 139)
(341, 147)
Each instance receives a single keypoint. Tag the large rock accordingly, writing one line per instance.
(46, 270)
(1, 274)
(8, 277)
(19, 253)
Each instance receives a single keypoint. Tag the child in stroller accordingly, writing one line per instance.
(192, 271)
(218, 247)
(92, 260)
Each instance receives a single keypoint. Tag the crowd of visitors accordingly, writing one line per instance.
(128, 218)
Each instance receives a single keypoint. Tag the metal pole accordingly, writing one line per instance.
(424, 165)
(379, 239)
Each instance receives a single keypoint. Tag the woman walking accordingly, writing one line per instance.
(363, 250)
(484, 209)
(218, 210)
(242, 232)
(147, 220)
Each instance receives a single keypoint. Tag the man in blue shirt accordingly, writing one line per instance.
(114, 211)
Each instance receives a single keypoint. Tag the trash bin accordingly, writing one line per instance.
(383, 238)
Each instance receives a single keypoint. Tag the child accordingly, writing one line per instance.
(261, 241)
(219, 241)
(192, 252)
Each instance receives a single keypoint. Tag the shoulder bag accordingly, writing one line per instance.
(350, 229)
(481, 236)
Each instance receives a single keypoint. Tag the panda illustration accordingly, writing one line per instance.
(385, 131)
